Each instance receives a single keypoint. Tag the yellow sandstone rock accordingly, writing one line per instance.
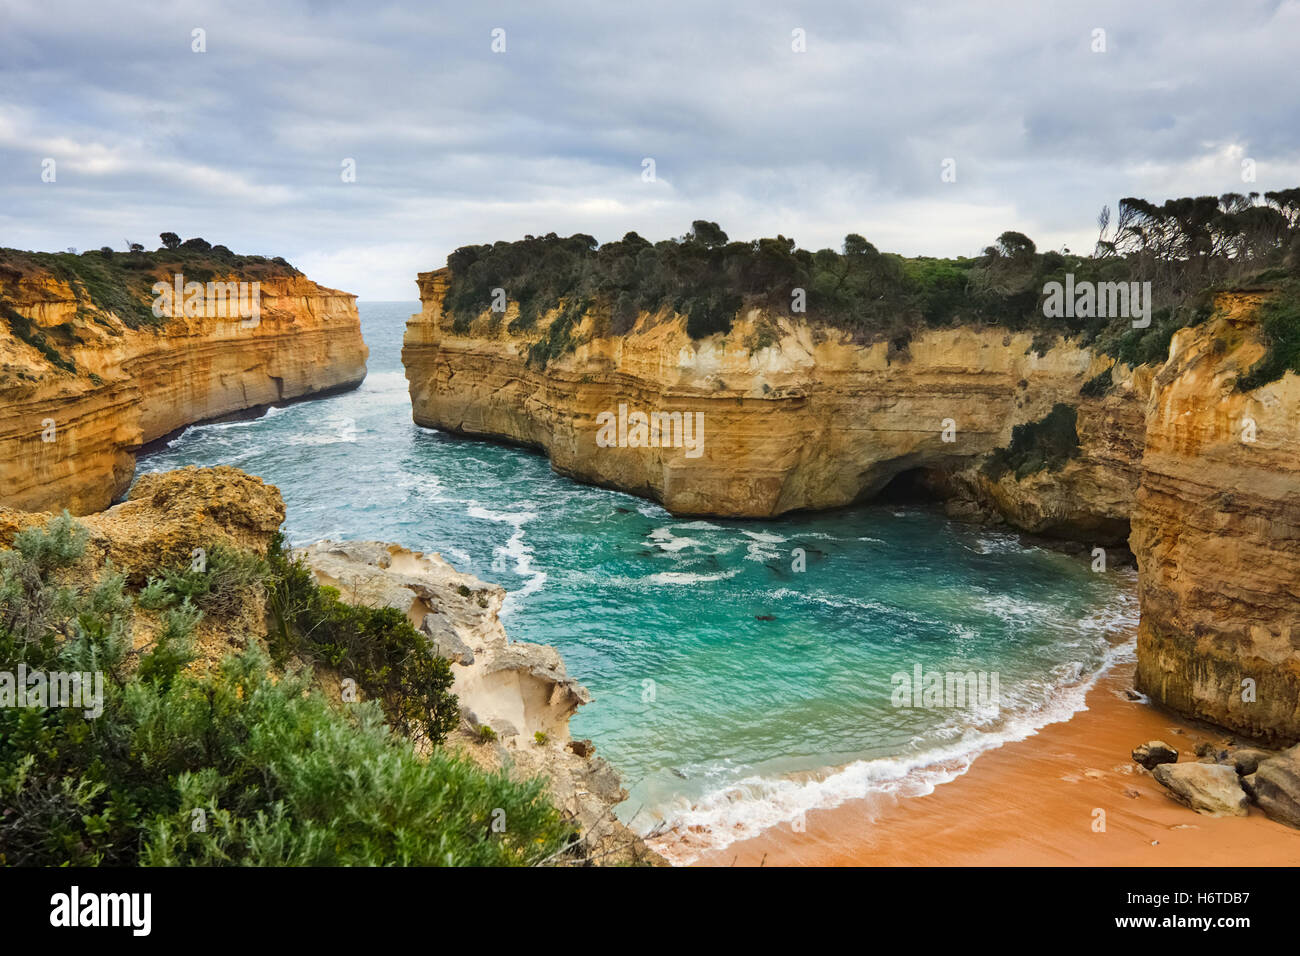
(1208, 477)
(1216, 531)
(68, 438)
(814, 421)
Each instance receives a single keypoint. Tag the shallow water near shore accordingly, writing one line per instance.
(732, 691)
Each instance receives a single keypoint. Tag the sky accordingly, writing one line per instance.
(928, 128)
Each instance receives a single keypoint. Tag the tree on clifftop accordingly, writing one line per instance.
(708, 234)
(170, 239)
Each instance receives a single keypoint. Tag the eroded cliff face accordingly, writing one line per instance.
(1208, 477)
(1090, 498)
(1216, 530)
(68, 438)
(814, 420)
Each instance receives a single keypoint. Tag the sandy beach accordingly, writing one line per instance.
(1034, 803)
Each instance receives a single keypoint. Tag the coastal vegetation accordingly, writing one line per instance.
(1185, 248)
(106, 281)
(382, 652)
(243, 763)
(24, 329)
(1279, 320)
(1045, 444)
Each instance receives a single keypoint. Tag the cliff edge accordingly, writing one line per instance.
(1185, 451)
(89, 375)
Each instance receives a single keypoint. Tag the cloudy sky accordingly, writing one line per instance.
(453, 143)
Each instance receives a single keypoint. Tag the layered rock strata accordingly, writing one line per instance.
(1205, 476)
(1216, 531)
(70, 429)
(814, 420)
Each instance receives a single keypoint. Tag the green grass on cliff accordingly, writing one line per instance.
(1279, 320)
(23, 328)
(243, 765)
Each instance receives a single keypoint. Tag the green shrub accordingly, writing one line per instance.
(106, 282)
(1279, 320)
(23, 328)
(1182, 248)
(219, 588)
(234, 767)
(1099, 385)
(377, 647)
(1047, 443)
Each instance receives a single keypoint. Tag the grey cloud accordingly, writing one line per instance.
(455, 144)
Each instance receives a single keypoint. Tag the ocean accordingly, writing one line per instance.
(743, 671)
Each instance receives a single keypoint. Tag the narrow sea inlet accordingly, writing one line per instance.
(743, 671)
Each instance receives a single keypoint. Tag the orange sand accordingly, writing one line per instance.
(1032, 803)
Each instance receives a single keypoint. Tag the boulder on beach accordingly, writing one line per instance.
(1208, 788)
(1276, 786)
(1153, 753)
(1247, 760)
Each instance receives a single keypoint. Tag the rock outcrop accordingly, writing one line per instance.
(1206, 477)
(814, 420)
(519, 690)
(1153, 753)
(167, 516)
(1089, 498)
(1216, 532)
(82, 389)
(1275, 785)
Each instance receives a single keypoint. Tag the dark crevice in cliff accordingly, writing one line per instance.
(914, 486)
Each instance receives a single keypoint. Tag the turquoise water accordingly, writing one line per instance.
(731, 691)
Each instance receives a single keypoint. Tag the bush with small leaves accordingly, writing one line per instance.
(277, 775)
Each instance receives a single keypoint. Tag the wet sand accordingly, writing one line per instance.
(1034, 803)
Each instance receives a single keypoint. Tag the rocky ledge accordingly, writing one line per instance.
(516, 698)
(519, 690)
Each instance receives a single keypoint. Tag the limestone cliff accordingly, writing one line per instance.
(1216, 530)
(812, 420)
(83, 386)
(1090, 497)
(799, 417)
